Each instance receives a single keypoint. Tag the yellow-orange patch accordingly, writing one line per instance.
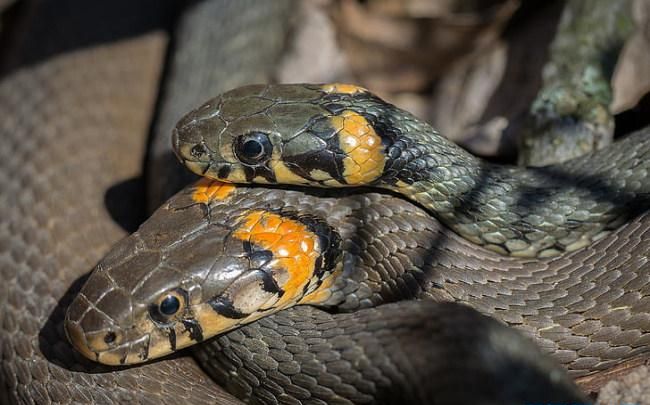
(343, 88)
(284, 175)
(365, 159)
(295, 249)
(207, 190)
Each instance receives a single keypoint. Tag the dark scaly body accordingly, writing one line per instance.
(407, 352)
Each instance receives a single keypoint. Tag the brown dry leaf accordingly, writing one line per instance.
(633, 388)
(632, 77)
(313, 54)
(489, 90)
(390, 50)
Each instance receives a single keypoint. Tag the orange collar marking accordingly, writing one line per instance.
(365, 158)
(295, 249)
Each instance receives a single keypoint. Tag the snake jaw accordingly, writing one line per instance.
(133, 352)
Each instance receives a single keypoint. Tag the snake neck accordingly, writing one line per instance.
(534, 212)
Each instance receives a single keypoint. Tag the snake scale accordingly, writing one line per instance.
(37, 365)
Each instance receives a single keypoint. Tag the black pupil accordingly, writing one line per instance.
(170, 305)
(252, 148)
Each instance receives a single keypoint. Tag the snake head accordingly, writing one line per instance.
(322, 135)
(187, 275)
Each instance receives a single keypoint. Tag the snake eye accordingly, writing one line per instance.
(168, 305)
(253, 148)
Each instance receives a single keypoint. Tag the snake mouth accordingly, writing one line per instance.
(132, 352)
(218, 170)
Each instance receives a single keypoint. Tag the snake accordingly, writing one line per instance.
(252, 246)
(342, 135)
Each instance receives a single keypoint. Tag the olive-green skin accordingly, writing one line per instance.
(536, 212)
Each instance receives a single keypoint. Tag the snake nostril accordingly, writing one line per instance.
(110, 337)
(198, 151)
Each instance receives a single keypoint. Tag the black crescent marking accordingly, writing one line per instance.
(225, 307)
(171, 334)
(271, 286)
(194, 328)
(259, 257)
(224, 171)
